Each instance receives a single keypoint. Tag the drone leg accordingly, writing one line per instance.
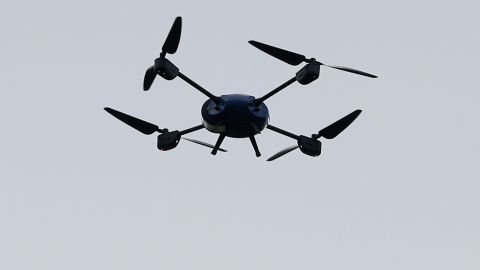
(199, 88)
(283, 132)
(219, 142)
(255, 146)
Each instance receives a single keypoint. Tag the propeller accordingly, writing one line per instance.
(148, 128)
(296, 59)
(149, 78)
(138, 124)
(203, 143)
(329, 132)
(170, 46)
(283, 152)
(336, 128)
(173, 39)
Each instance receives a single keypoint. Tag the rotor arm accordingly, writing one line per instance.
(283, 132)
(192, 129)
(259, 101)
(199, 88)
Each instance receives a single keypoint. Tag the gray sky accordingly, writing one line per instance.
(397, 190)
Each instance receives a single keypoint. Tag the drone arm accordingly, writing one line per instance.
(283, 132)
(192, 129)
(259, 101)
(198, 87)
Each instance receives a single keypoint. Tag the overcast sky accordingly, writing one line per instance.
(397, 190)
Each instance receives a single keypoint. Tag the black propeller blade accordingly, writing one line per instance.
(138, 124)
(203, 143)
(352, 70)
(328, 132)
(149, 78)
(296, 59)
(173, 39)
(283, 152)
(284, 55)
(336, 128)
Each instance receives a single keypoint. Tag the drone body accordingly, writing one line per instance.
(236, 115)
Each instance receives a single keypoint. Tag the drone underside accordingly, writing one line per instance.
(236, 115)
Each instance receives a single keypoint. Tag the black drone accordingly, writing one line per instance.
(236, 115)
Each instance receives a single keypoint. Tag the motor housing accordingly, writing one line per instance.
(309, 146)
(166, 69)
(308, 73)
(168, 141)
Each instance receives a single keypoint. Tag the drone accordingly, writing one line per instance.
(237, 115)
